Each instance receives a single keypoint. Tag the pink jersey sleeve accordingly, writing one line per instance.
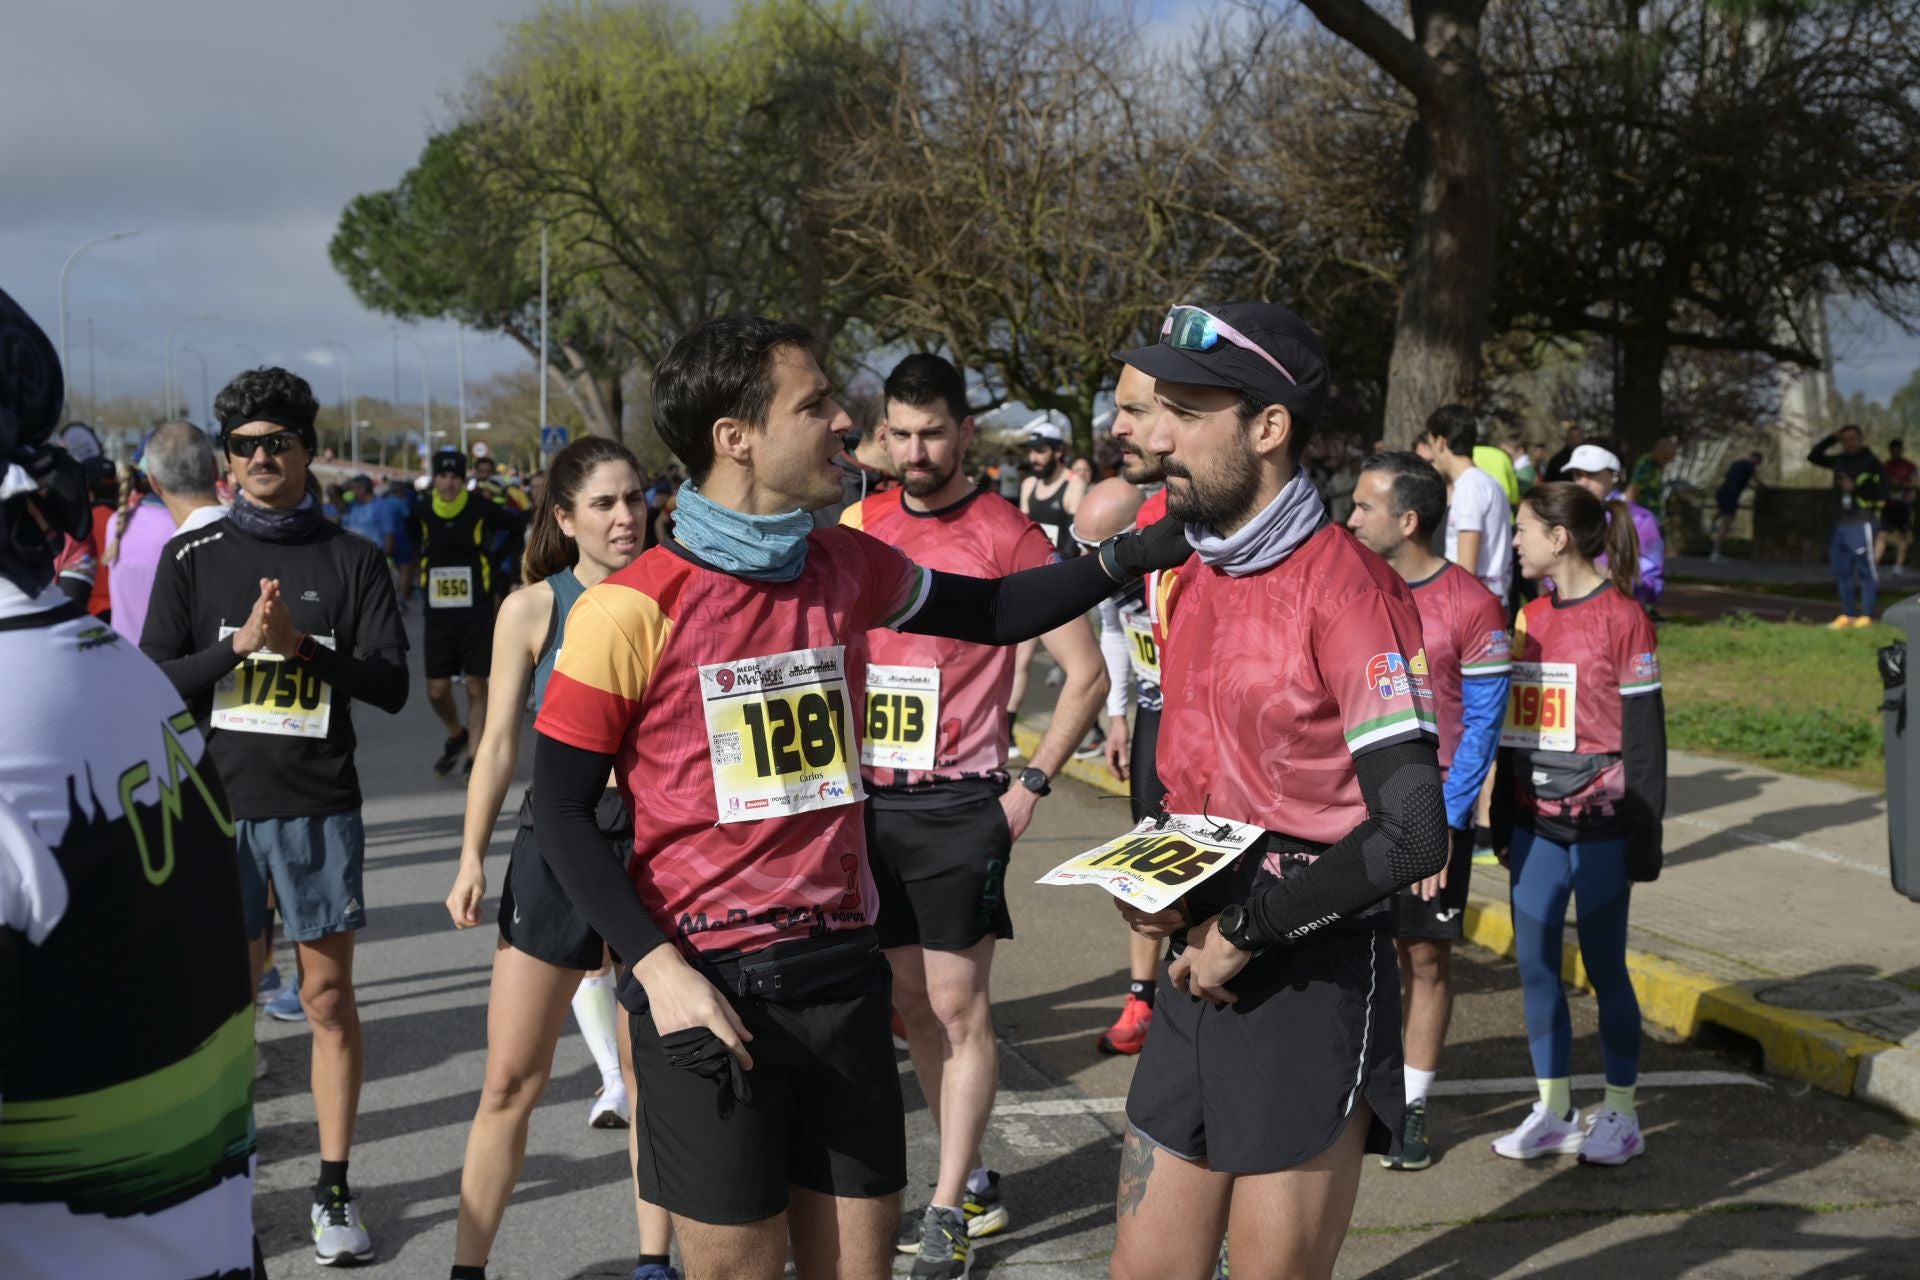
(1483, 642)
(1636, 656)
(1030, 550)
(894, 587)
(1369, 652)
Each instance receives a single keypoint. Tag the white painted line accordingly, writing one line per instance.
(1442, 1088)
(1785, 846)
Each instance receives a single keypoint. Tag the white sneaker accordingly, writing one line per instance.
(340, 1238)
(610, 1108)
(1612, 1138)
(1542, 1133)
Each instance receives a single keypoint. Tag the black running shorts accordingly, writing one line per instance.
(536, 916)
(1143, 770)
(1897, 517)
(941, 873)
(459, 642)
(1268, 1083)
(1443, 917)
(826, 1112)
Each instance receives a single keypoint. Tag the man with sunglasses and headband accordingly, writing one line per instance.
(272, 623)
(1295, 700)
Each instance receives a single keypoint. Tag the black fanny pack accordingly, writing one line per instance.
(610, 815)
(840, 966)
(1558, 775)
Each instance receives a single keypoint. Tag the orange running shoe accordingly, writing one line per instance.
(1129, 1030)
(899, 1033)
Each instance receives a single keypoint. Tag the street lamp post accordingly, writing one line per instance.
(352, 381)
(65, 361)
(172, 329)
(205, 399)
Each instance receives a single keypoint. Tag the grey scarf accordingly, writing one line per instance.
(1267, 539)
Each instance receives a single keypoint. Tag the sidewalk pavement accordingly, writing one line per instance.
(1734, 570)
(1773, 925)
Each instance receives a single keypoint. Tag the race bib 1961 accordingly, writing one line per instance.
(903, 718)
(268, 694)
(1142, 651)
(1540, 706)
(780, 734)
(1157, 862)
(450, 587)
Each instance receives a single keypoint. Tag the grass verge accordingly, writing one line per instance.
(1790, 696)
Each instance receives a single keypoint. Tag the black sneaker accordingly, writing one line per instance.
(907, 1239)
(945, 1251)
(985, 1212)
(450, 753)
(1411, 1151)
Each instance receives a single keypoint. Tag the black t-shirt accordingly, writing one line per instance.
(284, 737)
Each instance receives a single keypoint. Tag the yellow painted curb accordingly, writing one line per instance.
(1800, 1046)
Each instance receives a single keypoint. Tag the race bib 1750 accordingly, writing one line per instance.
(903, 718)
(268, 694)
(780, 734)
(1540, 706)
(1157, 862)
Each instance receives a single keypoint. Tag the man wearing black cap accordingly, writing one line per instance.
(457, 529)
(272, 623)
(1296, 701)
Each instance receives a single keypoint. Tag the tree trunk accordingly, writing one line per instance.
(1639, 397)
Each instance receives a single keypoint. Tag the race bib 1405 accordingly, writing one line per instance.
(1155, 864)
(780, 734)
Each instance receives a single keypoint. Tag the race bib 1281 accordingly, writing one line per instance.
(1155, 864)
(1541, 703)
(903, 718)
(780, 734)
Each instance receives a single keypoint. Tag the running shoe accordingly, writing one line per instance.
(654, 1271)
(1092, 746)
(269, 983)
(900, 1046)
(340, 1238)
(1612, 1138)
(907, 1239)
(1863, 621)
(985, 1212)
(945, 1251)
(1129, 1031)
(450, 753)
(286, 1006)
(1411, 1152)
(1840, 623)
(1220, 1272)
(1542, 1133)
(610, 1108)
(1485, 858)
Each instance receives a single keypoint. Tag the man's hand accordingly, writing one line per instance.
(252, 634)
(1158, 925)
(1208, 964)
(1429, 889)
(281, 635)
(1117, 747)
(469, 889)
(681, 998)
(1018, 805)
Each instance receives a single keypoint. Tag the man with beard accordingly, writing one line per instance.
(941, 817)
(1296, 701)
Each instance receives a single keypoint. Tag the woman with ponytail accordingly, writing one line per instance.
(1579, 793)
(588, 524)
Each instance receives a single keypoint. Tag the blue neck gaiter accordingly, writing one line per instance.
(764, 548)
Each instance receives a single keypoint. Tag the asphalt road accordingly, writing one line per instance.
(1745, 1178)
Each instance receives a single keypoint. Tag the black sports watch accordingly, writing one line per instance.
(1235, 924)
(1035, 780)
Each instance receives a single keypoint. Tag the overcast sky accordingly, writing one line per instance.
(231, 133)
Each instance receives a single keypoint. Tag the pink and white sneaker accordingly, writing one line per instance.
(1612, 1138)
(1542, 1133)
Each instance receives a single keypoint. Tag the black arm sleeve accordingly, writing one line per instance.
(75, 588)
(1643, 756)
(1017, 607)
(1820, 457)
(567, 784)
(378, 678)
(167, 635)
(1403, 839)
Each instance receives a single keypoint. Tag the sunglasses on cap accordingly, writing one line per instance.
(274, 442)
(1191, 329)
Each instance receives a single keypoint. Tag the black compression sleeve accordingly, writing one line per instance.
(378, 678)
(1643, 757)
(1017, 607)
(1403, 839)
(567, 785)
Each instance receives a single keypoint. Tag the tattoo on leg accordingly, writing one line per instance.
(1136, 1166)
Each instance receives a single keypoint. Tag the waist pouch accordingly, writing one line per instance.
(610, 815)
(1558, 775)
(805, 972)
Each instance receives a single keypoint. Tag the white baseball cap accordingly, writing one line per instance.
(1045, 428)
(1591, 458)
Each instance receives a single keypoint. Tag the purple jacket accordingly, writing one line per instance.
(1653, 552)
(131, 581)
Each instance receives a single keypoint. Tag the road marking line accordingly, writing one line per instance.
(1785, 846)
(1442, 1088)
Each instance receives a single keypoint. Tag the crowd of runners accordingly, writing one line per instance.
(806, 662)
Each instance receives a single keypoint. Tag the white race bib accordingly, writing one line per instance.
(1053, 534)
(780, 734)
(1540, 706)
(1154, 865)
(1142, 650)
(450, 587)
(903, 718)
(268, 694)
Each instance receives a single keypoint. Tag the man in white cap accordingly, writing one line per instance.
(1597, 470)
